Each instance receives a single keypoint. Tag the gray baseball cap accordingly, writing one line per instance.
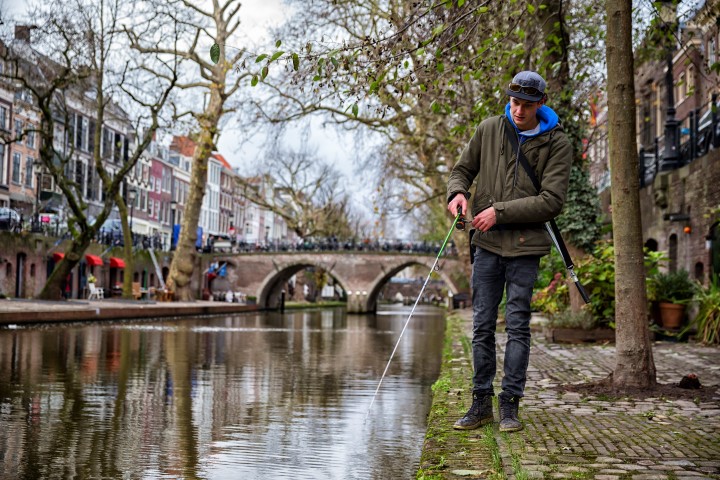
(527, 85)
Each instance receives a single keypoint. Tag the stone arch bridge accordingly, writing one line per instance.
(360, 274)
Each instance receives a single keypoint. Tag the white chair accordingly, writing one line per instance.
(95, 292)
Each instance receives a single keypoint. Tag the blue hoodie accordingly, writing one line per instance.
(548, 120)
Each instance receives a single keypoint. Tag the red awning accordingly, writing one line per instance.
(93, 260)
(57, 256)
(116, 262)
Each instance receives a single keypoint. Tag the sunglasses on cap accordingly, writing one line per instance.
(517, 88)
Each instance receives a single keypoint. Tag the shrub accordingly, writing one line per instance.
(569, 319)
(596, 272)
(553, 298)
(551, 294)
(674, 287)
(707, 321)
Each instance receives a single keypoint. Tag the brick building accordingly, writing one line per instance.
(678, 203)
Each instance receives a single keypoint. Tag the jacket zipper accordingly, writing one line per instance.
(517, 159)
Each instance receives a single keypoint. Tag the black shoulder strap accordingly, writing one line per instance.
(551, 226)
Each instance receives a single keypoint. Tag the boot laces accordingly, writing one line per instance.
(509, 407)
(476, 405)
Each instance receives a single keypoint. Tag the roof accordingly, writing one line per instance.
(222, 160)
(183, 145)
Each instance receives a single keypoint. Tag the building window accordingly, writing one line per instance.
(90, 187)
(30, 140)
(28, 171)
(2, 164)
(672, 253)
(80, 132)
(79, 173)
(91, 136)
(32, 269)
(712, 55)
(18, 131)
(3, 118)
(106, 143)
(16, 168)
(117, 151)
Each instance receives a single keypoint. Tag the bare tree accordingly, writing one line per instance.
(70, 73)
(304, 191)
(202, 23)
(634, 364)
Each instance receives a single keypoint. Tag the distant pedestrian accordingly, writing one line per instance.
(508, 214)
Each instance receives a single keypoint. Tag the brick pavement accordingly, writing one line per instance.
(569, 436)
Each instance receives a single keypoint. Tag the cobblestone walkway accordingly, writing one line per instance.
(568, 436)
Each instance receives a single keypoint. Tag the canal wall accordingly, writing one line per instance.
(20, 312)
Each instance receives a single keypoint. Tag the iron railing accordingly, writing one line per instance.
(702, 135)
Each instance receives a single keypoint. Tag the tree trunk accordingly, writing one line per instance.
(55, 285)
(184, 260)
(127, 292)
(634, 366)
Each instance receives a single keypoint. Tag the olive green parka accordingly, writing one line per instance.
(503, 183)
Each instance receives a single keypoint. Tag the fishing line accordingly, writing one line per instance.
(432, 269)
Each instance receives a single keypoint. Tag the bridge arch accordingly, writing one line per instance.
(381, 280)
(270, 291)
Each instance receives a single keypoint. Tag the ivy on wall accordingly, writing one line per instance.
(579, 220)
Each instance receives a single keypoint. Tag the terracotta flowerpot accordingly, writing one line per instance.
(671, 314)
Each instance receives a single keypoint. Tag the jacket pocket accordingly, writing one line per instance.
(481, 201)
(531, 238)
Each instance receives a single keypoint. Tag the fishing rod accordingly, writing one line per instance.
(432, 269)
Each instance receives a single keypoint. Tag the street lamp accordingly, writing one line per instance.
(132, 194)
(671, 155)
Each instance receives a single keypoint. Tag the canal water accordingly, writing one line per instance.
(252, 396)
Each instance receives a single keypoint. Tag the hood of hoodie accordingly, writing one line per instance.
(546, 115)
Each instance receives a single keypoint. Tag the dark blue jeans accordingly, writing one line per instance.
(491, 275)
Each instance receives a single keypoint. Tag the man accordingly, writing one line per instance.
(508, 214)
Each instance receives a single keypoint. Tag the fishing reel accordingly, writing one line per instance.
(460, 225)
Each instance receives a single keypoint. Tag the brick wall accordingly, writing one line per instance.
(692, 190)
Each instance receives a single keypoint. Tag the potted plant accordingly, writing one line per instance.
(91, 278)
(674, 290)
(707, 320)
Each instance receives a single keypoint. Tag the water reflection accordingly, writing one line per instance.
(251, 396)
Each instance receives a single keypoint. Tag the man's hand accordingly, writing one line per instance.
(458, 201)
(485, 220)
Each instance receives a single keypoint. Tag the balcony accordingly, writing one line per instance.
(696, 141)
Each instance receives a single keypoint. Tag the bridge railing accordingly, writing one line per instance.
(332, 245)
